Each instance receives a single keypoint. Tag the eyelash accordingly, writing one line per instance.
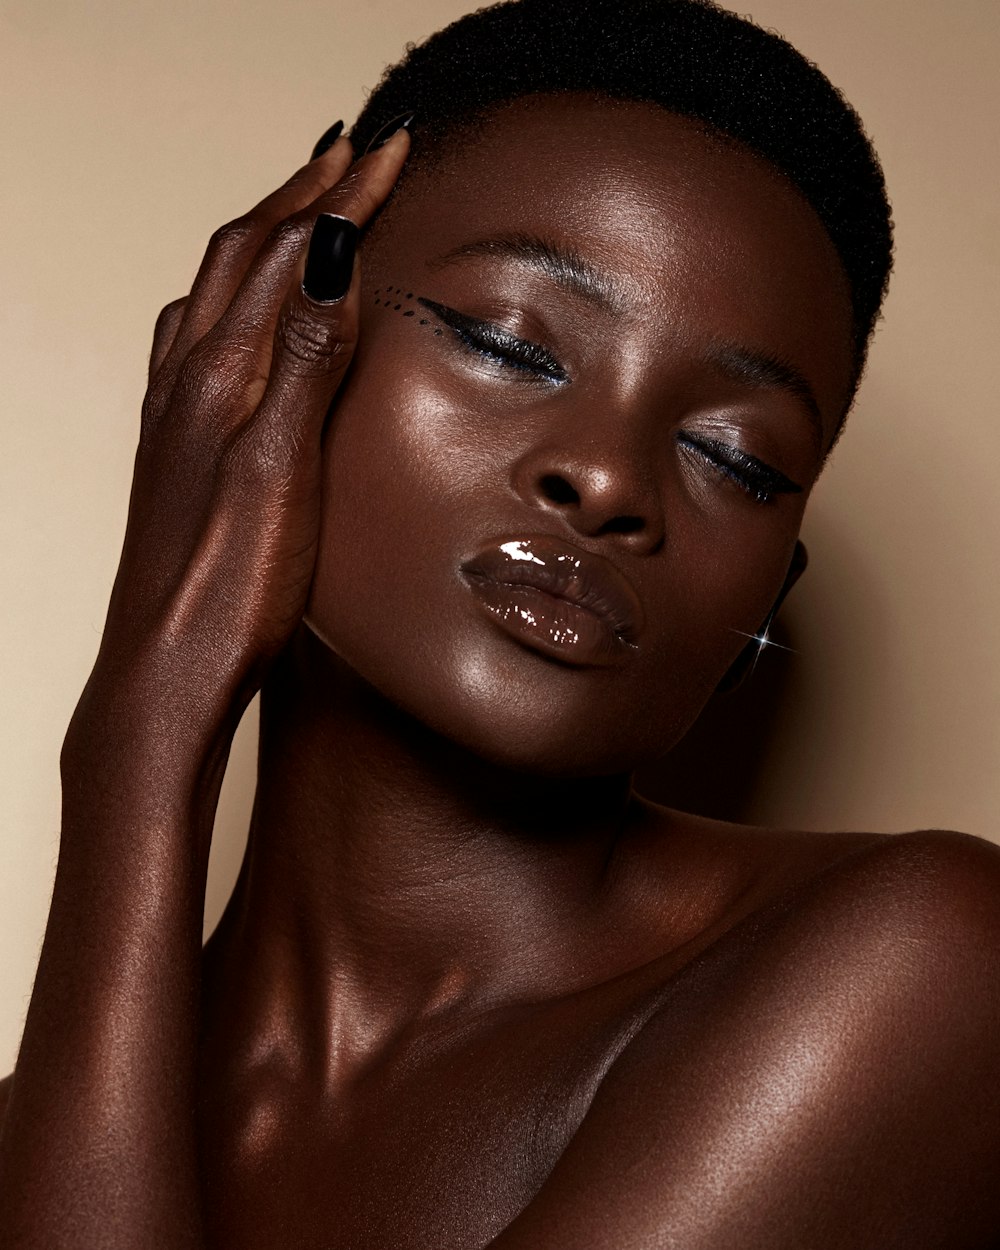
(758, 479)
(493, 343)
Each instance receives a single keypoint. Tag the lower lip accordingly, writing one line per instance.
(553, 626)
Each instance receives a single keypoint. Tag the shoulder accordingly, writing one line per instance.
(935, 890)
(827, 1073)
(935, 881)
(912, 917)
(929, 897)
(937, 854)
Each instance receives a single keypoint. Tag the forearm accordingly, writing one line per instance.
(99, 1144)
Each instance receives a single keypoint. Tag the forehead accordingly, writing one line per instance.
(683, 229)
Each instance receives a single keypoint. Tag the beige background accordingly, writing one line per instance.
(130, 130)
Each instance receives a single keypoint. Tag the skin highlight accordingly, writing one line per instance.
(638, 385)
(471, 990)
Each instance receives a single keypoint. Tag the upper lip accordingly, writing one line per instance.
(564, 571)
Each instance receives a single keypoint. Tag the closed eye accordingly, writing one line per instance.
(492, 342)
(761, 481)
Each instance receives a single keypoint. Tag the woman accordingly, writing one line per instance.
(470, 989)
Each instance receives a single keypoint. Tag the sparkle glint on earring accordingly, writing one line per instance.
(763, 639)
(746, 661)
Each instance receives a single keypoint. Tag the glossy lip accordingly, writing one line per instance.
(558, 599)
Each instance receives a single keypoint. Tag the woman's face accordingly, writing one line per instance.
(602, 356)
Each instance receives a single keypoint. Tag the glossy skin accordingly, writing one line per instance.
(470, 990)
(489, 445)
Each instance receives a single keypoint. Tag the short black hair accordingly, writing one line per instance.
(692, 58)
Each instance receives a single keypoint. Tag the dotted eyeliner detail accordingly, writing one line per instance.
(395, 299)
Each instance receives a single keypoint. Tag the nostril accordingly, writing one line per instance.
(622, 525)
(557, 490)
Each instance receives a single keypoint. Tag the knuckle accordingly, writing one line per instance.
(315, 347)
(155, 400)
(357, 196)
(349, 185)
(216, 372)
(369, 200)
(168, 317)
(236, 238)
(257, 461)
(151, 413)
(288, 235)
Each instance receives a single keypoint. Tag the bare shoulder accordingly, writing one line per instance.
(880, 911)
(935, 891)
(906, 922)
(933, 852)
(826, 1073)
(938, 881)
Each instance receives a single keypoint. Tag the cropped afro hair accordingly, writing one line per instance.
(688, 56)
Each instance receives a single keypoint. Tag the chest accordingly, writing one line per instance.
(441, 1145)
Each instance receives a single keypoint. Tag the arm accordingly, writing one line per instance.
(98, 1144)
(829, 1080)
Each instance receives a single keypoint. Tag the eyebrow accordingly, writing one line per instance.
(751, 367)
(561, 263)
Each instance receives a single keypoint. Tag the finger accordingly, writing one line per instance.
(278, 450)
(233, 246)
(224, 377)
(252, 316)
(164, 333)
(315, 339)
(317, 329)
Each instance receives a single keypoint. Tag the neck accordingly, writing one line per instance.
(390, 877)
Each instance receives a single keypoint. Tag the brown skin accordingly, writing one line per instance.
(470, 990)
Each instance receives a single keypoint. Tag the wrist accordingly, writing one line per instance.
(145, 721)
(138, 765)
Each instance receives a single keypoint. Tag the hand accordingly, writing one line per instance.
(99, 1144)
(224, 513)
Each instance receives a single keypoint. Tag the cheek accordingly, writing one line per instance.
(398, 473)
(376, 532)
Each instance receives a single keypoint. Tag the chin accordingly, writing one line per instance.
(515, 710)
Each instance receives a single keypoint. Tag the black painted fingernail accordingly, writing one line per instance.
(327, 139)
(403, 122)
(330, 260)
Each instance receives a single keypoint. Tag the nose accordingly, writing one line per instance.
(600, 487)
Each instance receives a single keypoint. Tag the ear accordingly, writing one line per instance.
(745, 660)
